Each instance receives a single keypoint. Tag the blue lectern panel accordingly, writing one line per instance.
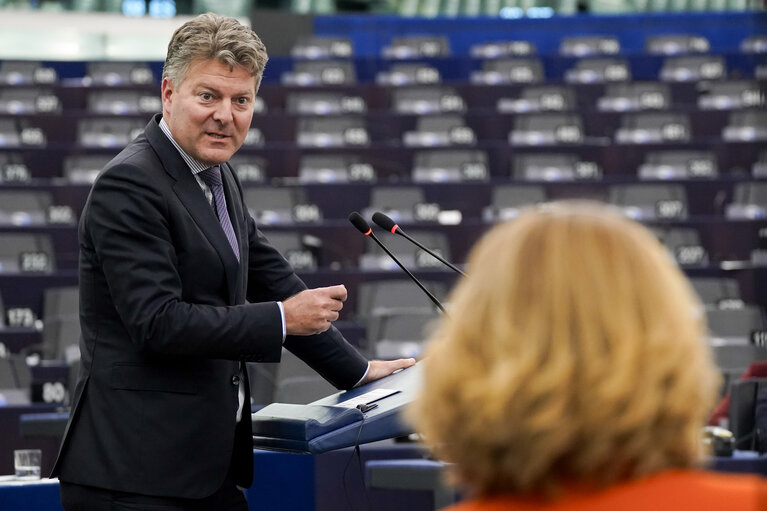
(335, 421)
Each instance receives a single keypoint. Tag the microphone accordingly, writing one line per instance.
(390, 225)
(362, 226)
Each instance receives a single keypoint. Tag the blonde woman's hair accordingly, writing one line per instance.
(209, 36)
(573, 353)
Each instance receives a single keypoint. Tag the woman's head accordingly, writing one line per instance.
(573, 353)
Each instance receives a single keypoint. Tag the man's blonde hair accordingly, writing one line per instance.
(209, 36)
(573, 353)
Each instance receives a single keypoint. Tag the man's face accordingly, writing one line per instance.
(209, 112)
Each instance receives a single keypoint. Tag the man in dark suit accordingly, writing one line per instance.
(178, 288)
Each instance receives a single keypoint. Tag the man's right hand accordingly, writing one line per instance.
(313, 310)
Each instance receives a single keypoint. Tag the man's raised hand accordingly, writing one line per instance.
(313, 310)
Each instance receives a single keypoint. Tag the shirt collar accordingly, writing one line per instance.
(196, 166)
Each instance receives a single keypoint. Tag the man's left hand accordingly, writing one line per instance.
(380, 368)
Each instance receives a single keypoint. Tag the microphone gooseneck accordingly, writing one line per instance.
(385, 222)
(362, 226)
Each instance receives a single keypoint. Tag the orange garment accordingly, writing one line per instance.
(679, 490)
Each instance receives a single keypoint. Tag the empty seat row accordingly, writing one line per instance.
(400, 47)
(555, 128)
(423, 99)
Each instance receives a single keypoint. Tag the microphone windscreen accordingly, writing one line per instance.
(384, 221)
(359, 222)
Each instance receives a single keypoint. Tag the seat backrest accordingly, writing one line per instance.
(396, 198)
(273, 199)
(400, 327)
(439, 123)
(390, 296)
(417, 46)
(712, 290)
(322, 47)
(672, 44)
(518, 196)
(743, 397)
(119, 73)
(61, 301)
(735, 323)
(13, 246)
(581, 46)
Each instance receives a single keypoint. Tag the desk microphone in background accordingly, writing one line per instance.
(363, 227)
(385, 222)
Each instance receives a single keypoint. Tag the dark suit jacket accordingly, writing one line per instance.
(168, 315)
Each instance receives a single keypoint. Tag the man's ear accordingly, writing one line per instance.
(166, 94)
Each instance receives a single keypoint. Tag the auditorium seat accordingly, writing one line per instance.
(335, 168)
(427, 100)
(754, 44)
(546, 129)
(322, 48)
(9, 133)
(653, 128)
(249, 168)
(675, 44)
(414, 47)
(746, 126)
(759, 167)
(12, 167)
(450, 166)
(502, 49)
(650, 201)
(23, 100)
(717, 291)
(541, 98)
(21, 72)
(634, 96)
(114, 73)
(302, 251)
(508, 201)
(684, 244)
(678, 164)
(114, 132)
(26, 253)
(408, 74)
(320, 73)
(332, 131)
(83, 168)
(124, 102)
(693, 68)
(439, 130)
(279, 206)
(389, 297)
(553, 167)
(60, 339)
(749, 201)
(399, 202)
(508, 71)
(15, 381)
(375, 259)
(24, 207)
(399, 335)
(732, 94)
(324, 103)
(61, 301)
(599, 70)
(589, 45)
(735, 326)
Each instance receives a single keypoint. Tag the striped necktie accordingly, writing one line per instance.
(212, 178)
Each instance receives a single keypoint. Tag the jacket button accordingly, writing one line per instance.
(235, 379)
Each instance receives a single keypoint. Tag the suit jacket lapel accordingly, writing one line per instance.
(192, 197)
